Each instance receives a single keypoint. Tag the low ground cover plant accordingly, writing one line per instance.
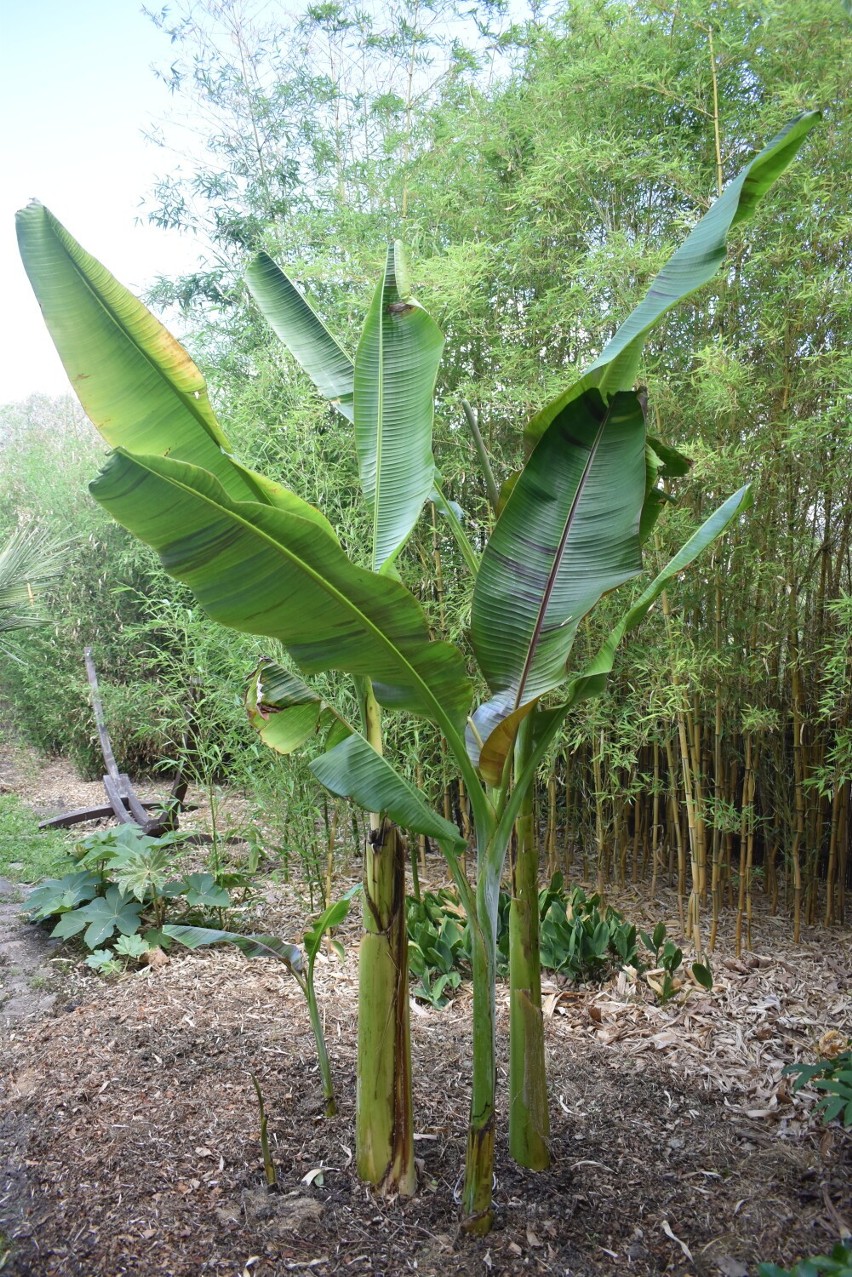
(838, 1263)
(833, 1078)
(580, 938)
(119, 887)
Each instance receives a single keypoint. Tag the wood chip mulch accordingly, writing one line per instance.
(129, 1134)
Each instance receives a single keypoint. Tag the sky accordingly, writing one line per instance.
(77, 91)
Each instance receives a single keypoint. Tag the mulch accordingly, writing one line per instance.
(129, 1130)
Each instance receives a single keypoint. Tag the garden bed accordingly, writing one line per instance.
(129, 1125)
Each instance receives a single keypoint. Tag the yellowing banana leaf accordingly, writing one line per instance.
(291, 316)
(694, 263)
(354, 770)
(568, 534)
(396, 367)
(265, 571)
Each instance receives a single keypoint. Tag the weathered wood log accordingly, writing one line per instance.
(124, 803)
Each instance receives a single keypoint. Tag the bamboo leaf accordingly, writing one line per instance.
(266, 571)
(354, 770)
(396, 367)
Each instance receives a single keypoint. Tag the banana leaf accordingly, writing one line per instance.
(592, 680)
(292, 317)
(388, 391)
(266, 571)
(396, 367)
(694, 263)
(568, 534)
(354, 770)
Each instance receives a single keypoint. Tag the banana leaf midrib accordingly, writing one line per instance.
(380, 406)
(396, 654)
(558, 558)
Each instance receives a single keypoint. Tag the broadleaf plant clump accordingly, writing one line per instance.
(260, 559)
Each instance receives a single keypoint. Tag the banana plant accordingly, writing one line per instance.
(262, 560)
(387, 393)
(294, 960)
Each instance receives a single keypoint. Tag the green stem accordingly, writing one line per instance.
(319, 1037)
(529, 1121)
(482, 452)
(479, 1161)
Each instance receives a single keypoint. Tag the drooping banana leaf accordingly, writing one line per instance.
(251, 946)
(694, 263)
(291, 316)
(396, 367)
(265, 571)
(283, 709)
(354, 770)
(568, 534)
(592, 680)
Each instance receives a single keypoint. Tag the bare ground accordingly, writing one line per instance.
(129, 1129)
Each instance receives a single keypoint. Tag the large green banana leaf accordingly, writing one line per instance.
(396, 367)
(388, 391)
(592, 680)
(293, 319)
(354, 770)
(694, 263)
(136, 382)
(266, 571)
(568, 534)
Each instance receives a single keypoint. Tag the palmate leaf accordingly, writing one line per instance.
(694, 263)
(265, 571)
(354, 770)
(100, 917)
(396, 367)
(59, 895)
(29, 561)
(568, 533)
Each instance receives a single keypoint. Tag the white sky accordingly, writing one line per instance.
(76, 93)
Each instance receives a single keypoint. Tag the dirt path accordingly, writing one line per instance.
(27, 979)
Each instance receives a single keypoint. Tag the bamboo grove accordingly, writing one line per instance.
(537, 173)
